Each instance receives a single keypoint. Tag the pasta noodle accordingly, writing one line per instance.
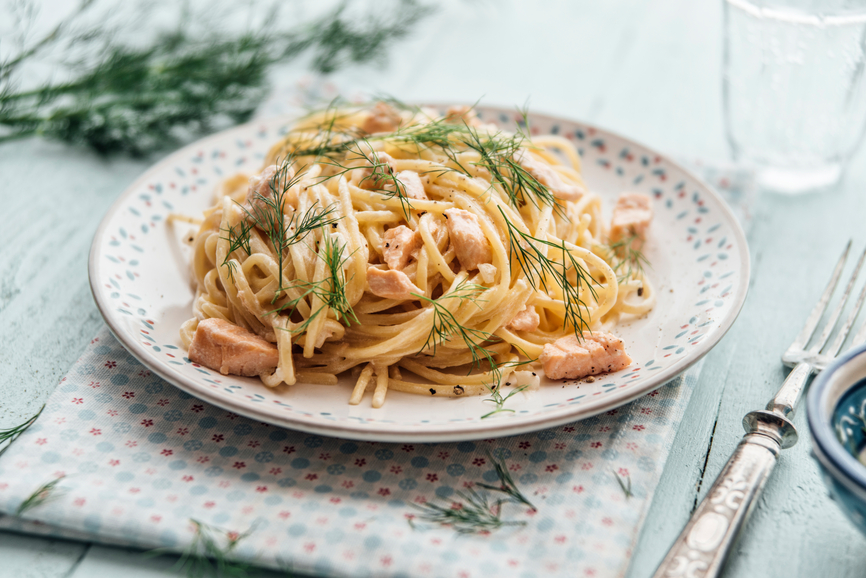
(396, 241)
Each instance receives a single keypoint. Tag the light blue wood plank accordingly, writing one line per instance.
(47, 315)
(34, 557)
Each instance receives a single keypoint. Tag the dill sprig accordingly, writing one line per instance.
(499, 154)
(499, 400)
(381, 177)
(331, 290)
(500, 157)
(445, 327)
(140, 99)
(41, 495)
(266, 212)
(7, 436)
(625, 486)
(627, 261)
(540, 270)
(506, 483)
(209, 553)
(333, 253)
(238, 237)
(476, 512)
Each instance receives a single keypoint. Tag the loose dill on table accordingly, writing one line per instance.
(475, 512)
(625, 486)
(209, 553)
(507, 484)
(134, 99)
(41, 495)
(7, 436)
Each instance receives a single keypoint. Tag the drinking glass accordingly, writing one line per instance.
(794, 88)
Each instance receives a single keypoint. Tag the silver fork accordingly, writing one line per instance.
(704, 544)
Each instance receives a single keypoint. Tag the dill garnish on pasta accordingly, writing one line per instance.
(429, 254)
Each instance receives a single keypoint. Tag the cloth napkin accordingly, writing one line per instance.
(139, 459)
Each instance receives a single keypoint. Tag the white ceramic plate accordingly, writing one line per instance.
(699, 265)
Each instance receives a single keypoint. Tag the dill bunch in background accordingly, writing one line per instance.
(185, 79)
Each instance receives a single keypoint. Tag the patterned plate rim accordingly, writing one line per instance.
(385, 432)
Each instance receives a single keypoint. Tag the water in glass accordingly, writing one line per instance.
(794, 88)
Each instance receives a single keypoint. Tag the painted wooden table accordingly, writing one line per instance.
(649, 70)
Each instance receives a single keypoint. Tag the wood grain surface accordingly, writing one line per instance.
(647, 69)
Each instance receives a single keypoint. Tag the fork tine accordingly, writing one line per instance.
(815, 316)
(834, 317)
(861, 335)
(843, 333)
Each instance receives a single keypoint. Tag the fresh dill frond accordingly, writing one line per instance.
(495, 389)
(500, 156)
(445, 327)
(331, 290)
(267, 213)
(238, 237)
(499, 400)
(131, 98)
(381, 178)
(475, 514)
(41, 495)
(308, 288)
(332, 252)
(625, 486)
(506, 483)
(540, 270)
(209, 553)
(7, 436)
(628, 262)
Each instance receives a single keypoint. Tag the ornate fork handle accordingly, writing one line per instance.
(705, 542)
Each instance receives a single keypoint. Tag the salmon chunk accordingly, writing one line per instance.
(261, 194)
(412, 185)
(631, 218)
(227, 348)
(391, 284)
(526, 320)
(548, 177)
(470, 244)
(383, 118)
(400, 245)
(568, 358)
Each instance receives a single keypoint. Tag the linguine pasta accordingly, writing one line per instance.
(341, 253)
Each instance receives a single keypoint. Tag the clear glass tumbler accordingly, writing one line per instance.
(794, 88)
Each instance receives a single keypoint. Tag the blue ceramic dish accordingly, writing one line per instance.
(836, 409)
